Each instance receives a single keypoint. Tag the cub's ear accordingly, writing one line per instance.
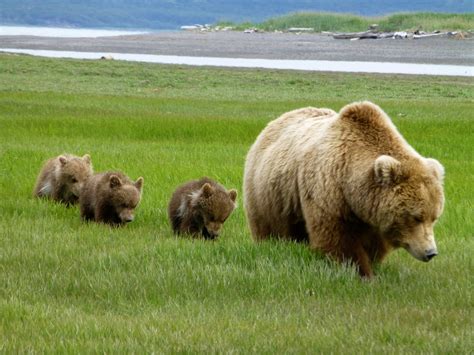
(233, 194)
(387, 170)
(87, 158)
(207, 190)
(436, 167)
(139, 183)
(62, 160)
(115, 181)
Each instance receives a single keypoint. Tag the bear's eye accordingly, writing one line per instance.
(418, 219)
(74, 180)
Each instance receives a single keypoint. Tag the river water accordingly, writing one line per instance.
(306, 65)
(58, 32)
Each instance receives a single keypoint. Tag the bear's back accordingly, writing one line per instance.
(289, 123)
(283, 142)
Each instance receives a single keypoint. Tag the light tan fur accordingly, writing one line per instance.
(62, 178)
(347, 182)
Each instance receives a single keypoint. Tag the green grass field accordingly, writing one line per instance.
(69, 286)
(321, 21)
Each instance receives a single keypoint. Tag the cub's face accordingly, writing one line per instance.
(412, 208)
(74, 172)
(125, 197)
(215, 205)
(214, 218)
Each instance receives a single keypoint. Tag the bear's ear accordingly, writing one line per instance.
(62, 160)
(207, 190)
(139, 184)
(115, 181)
(233, 194)
(387, 170)
(87, 159)
(436, 168)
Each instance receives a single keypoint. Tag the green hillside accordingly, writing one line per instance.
(426, 21)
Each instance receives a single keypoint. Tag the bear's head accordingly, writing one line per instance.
(214, 205)
(411, 202)
(125, 196)
(72, 173)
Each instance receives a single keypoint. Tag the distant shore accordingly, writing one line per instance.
(261, 45)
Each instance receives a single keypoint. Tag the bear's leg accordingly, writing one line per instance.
(355, 252)
(191, 224)
(175, 221)
(260, 229)
(87, 213)
(101, 213)
(332, 238)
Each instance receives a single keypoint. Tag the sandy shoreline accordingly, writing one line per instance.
(262, 45)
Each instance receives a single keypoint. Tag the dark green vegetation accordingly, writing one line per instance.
(170, 14)
(69, 286)
(351, 23)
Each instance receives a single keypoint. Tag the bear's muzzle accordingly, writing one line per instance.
(430, 254)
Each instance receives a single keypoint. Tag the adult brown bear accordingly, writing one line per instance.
(347, 182)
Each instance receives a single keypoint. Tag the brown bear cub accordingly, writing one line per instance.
(200, 208)
(62, 178)
(110, 197)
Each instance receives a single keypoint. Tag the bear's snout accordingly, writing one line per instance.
(209, 234)
(126, 216)
(430, 254)
(128, 219)
(213, 229)
(423, 254)
(213, 234)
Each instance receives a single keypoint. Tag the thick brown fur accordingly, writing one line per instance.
(110, 197)
(200, 208)
(347, 182)
(62, 178)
